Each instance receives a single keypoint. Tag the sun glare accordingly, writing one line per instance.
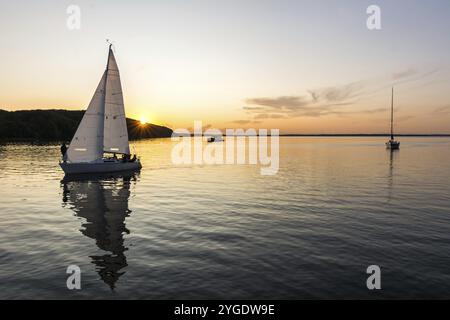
(143, 121)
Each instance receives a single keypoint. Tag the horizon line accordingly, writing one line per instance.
(281, 134)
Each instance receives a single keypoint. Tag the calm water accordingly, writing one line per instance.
(336, 206)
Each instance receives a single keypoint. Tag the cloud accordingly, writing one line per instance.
(261, 116)
(404, 74)
(314, 95)
(378, 110)
(327, 97)
(444, 109)
(403, 118)
(284, 102)
(332, 100)
(242, 122)
(252, 108)
(337, 93)
(245, 122)
(414, 77)
(277, 116)
(317, 103)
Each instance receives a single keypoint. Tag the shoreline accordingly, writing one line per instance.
(51, 141)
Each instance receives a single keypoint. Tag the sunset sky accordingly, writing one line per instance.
(300, 66)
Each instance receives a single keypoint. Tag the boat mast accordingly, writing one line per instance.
(104, 93)
(392, 114)
(109, 53)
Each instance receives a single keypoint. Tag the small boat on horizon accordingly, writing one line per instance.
(215, 139)
(102, 130)
(392, 144)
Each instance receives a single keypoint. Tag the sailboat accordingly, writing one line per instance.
(102, 130)
(392, 143)
(217, 138)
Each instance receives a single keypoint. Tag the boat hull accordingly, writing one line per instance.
(393, 145)
(100, 167)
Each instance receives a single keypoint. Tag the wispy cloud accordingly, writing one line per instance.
(337, 93)
(252, 108)
(317, 103)
(443, 110)
(404, 118)
(269, 116)
(241, 122)
(412, 75)
(284, 102)
(404, 73)
(378, 110)
(333, 100)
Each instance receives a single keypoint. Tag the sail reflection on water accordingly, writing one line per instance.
(103, 203)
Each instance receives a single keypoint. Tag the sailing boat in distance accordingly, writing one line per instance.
(392, 143)
(102, 130)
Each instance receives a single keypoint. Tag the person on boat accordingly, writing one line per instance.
(125, 157)
(133, 159)
(64, 151)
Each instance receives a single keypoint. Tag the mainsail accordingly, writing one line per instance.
(87, 143)
(115, 132)
(103, 127)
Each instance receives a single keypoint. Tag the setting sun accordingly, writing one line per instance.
(143, 120)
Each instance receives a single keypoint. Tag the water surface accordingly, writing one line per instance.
(336, 206)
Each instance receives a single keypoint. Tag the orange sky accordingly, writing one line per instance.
(300, 68)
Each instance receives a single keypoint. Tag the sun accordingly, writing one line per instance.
(143, 121)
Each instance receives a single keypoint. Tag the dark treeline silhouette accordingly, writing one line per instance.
(61, 125)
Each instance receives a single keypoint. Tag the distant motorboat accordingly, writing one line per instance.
(392, 143)
(103, 130)
(215, 139)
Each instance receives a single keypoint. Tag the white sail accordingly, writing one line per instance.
(115, 126)
(87, 143)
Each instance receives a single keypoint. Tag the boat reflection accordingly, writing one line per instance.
(392, 155)
(103, 202)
